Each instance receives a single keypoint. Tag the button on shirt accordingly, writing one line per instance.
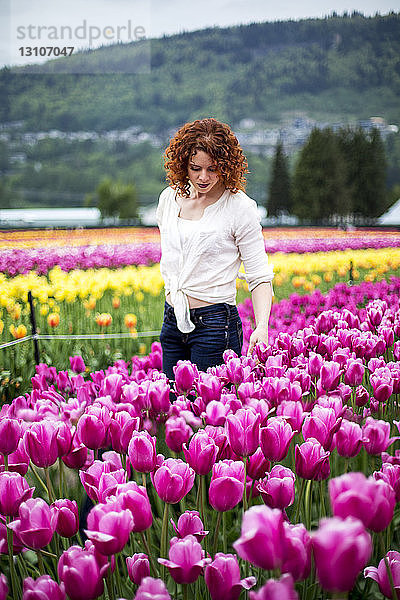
(206, 263)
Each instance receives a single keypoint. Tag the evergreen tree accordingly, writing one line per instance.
(365, 160)
(279, 197)
(319, 184)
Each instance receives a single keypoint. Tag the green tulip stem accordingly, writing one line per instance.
(300, 498)
(184, 591)
(40, 480)
(5, 462)
(217, 526)
(50, 490)
(110, 583)
(153, 567)
(322, 500)
(245, 481)
(164, 538)
(11, 560)
(144, 484)
(308, 503)
(224, 540)
(61, 478)
(40, 562)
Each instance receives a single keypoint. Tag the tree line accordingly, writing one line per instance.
(336, 174)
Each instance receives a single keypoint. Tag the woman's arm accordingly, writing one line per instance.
(261, 297)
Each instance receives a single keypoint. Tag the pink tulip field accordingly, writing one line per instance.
(274, 476)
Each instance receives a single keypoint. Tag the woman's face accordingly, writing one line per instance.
(202, 172)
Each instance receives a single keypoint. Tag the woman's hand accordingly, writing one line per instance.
(260, 334)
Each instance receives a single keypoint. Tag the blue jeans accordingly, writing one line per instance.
(217, 328)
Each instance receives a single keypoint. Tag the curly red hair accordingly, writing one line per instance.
(217, 140)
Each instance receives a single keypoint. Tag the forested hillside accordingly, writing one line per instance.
(333, 67)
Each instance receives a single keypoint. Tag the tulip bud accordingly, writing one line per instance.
(138, 567)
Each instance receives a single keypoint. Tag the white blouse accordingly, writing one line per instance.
(206, 263)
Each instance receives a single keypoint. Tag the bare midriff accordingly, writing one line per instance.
(193, 302)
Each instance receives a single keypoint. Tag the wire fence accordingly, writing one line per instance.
(82, 336)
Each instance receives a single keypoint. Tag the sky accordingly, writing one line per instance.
(89, 23)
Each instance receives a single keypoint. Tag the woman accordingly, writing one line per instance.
(208, 226)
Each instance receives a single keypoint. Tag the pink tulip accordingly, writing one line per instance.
(173, 480)
(297, 560)
(312, 461)
(321, 424)
(152, 589)
(348, 439)
(208, 387)
(371, 501)
(18, 546)
(64, 438)
(177, 432)
(80, 573)
(243, 431)
(158, 394)
(276, 589)
(216, 413)
(380, 574)
(377, 436)
(262, 527)
(354, 372)
(235, 371)
(133, 497)
(257, 465)
(189, 523)
(227, 485)
(292, 412)
(201, 452)
(330, 375)
(40, 441)
(138, 567)
(275, 439)
(142, 452)
(185, 373)
(93, 426)
(10, 434)
(67, 517)
(222, 577)
(36, 523)
(101, 479)
(362, 396)
(44, 588)
(109, 527)
(390, 474)
(3, 587)
(14, 490)
(341, 549)
(277, 489)
(315, 362)
(77, 364)
(186, 559)
(18, 461)
(77, 455)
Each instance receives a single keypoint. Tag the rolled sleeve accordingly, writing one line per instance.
(250, 242)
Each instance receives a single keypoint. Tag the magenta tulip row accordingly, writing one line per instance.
(16, 261)
(292, 450)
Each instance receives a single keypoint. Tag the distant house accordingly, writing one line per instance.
(392, 216)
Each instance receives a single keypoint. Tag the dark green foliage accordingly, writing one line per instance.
(365, 160)
(343, 65)
(342, 173)
(115, 199)
(279, 197)
(319, 182)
